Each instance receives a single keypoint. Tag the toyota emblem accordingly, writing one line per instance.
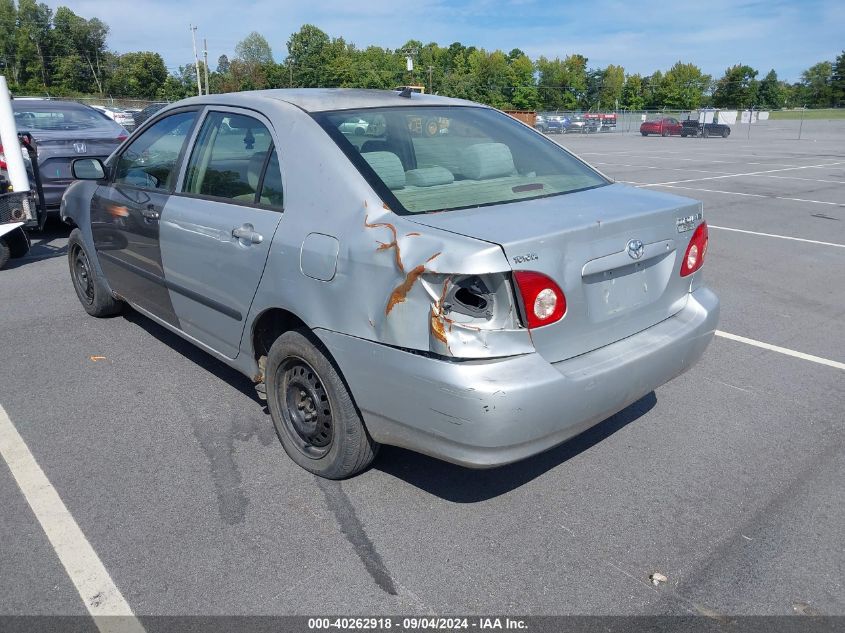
(635, 249)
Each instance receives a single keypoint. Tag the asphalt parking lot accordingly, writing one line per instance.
(728, 480)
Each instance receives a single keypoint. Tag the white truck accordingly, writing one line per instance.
(20, 206)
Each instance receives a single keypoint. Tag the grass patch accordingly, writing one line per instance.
(795, 115)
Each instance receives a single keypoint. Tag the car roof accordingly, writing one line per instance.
(326, 99)
(48, 104)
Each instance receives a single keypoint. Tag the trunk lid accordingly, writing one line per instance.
(581, 240)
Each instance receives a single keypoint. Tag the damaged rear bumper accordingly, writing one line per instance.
(486, 413)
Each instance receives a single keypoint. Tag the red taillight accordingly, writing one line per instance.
(696, 250)
(122, 138)
(542, 298)
(3, 164)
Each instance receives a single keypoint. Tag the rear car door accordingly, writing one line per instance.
(219, 226)
(126, 213)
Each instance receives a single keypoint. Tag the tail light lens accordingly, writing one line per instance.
(542, 298)
(3, 164)
(696, 250)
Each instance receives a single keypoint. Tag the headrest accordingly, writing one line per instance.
(388, 167)
(428, 176)
(486, 160)
(253, 170)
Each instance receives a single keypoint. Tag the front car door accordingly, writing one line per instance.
(126, 213)
(219, 225)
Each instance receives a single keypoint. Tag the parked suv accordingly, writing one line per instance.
(395, 287)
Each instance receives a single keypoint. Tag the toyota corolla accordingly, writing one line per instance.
(479, 295)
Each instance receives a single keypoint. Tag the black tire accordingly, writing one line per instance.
(315, 417)
(726, 132)
(5, 252)
(644, 133)
(18, 243)
(92, 292)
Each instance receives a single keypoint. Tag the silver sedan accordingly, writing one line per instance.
(479, 294)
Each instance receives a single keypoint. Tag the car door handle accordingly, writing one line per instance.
(150, 214)
(247, 233)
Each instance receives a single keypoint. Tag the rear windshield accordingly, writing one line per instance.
(444, 158)
(56, 116)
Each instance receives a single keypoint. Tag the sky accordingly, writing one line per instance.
(640, 35)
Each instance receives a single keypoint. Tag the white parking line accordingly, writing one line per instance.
(782, 237)
(753, 173)
(94, 584)
(834, 182)
(734, 193)
(782, 350)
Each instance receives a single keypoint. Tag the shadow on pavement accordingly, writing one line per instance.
(46, 244)
(445, 480)
(195, 354)
(465, 485)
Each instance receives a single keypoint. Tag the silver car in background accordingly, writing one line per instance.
(479, 295)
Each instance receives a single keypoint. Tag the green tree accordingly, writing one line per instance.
(82, 44)
(8, 37)
(139, 75)
(610, 92)
(633, 96)
(562, 83)
(305, 54)
(817, 86)
(34, 39)
(525, 94)
(684, 86)
(771, 93)
(653, 90)
(737, 88)
(254, 49)
(837, 81)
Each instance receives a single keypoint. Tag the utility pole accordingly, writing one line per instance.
(430, 91)
(205, 58)
(196, 58)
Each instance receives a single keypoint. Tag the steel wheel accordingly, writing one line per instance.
(305, 407)
(82, 275)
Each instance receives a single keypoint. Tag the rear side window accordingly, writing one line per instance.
(427, 158)
(229, 158)
(150, 160)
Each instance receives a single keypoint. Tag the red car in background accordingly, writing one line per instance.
(666, 126)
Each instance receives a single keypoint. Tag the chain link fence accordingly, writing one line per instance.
(798, 124)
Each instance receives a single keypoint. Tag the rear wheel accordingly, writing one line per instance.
(644, 133)
(315, 417)
(91, 290)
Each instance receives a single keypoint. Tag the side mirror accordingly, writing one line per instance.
(88, 169)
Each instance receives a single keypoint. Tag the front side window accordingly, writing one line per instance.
(229, 158)
(150, 160)
(424, 159)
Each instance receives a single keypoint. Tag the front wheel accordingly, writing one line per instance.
(90, 288)
(5, 252)
(315, 417)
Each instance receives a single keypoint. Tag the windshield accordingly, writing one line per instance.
(444, 158)
(55, 116)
